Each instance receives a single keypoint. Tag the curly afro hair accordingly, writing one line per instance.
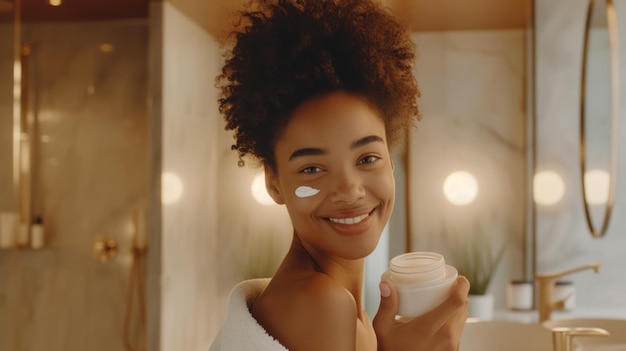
(288, 51)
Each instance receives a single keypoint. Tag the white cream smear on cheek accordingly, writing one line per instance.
(306, 191)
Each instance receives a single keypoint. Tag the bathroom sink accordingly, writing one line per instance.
(498, 335)
(615, 341)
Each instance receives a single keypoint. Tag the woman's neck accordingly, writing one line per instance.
(347, 272)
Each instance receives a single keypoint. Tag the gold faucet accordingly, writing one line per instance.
(546, 289)
(562, 336)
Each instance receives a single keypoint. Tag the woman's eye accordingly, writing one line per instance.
(311, 169)
(369, 159)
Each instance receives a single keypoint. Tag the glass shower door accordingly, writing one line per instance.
(84, 118)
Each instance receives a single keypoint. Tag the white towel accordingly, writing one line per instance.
(240, 331)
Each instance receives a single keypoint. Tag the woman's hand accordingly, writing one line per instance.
(439, 329)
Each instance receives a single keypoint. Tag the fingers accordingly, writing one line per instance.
(388, 309)
(455, 306)
(439, 329)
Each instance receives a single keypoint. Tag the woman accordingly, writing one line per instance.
(318, 92)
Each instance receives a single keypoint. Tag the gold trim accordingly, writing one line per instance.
(17, 103)
(613, 40)
(408, 238)
(530, 215)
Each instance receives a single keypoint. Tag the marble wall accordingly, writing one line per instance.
(253, 237)
(88, 89)
(562, 236)
(473, 106)
(184, 268)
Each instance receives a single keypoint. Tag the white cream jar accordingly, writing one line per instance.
(423, 281)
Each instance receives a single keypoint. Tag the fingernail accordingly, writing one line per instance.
(385, 291)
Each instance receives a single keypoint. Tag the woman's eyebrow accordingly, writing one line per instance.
(313, 151)
(366, 140)
(310, 151)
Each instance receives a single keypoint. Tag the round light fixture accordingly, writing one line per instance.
(548, 188)
(171, 188)
(597, 186)
(259, 191)
(460, 188)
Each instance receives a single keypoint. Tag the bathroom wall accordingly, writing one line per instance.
(563, 240)
(212, 236)
(184, 263)
(253, 237)
(88, 92)
(473, 106)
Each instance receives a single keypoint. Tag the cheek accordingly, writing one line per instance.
(383, 186)
(385, 191)
(303, 206)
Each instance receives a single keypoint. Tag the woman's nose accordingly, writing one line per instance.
(348, 188)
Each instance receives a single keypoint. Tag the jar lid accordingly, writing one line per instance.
(418, 268)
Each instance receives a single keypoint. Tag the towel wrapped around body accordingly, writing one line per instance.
(240, 331)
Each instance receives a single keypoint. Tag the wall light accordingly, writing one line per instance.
(54, 2)
(171, 188)
(259, 191)
(460, 188)
(548, 188)
(597, 186)
(106, 48)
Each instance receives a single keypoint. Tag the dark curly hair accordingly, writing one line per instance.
(288, 51)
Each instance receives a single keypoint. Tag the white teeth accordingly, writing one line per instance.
(349, 220)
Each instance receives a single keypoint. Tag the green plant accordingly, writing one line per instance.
(475, 258)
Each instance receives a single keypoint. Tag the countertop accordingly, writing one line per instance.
(532, 316)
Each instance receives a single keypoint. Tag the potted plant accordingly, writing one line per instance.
(477, 257)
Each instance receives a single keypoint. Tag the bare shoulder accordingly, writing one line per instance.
(310, 313)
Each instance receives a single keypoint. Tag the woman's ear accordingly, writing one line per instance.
(272, 186)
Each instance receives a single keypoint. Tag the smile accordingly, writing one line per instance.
(353, 220)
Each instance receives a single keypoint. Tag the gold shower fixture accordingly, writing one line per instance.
(104, 250)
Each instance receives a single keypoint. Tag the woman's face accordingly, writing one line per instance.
(334, 173)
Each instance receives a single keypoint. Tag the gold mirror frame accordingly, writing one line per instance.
(613, 42)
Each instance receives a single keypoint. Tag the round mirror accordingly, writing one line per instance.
(599, 115)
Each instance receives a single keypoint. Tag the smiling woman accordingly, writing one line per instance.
(319, 93)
